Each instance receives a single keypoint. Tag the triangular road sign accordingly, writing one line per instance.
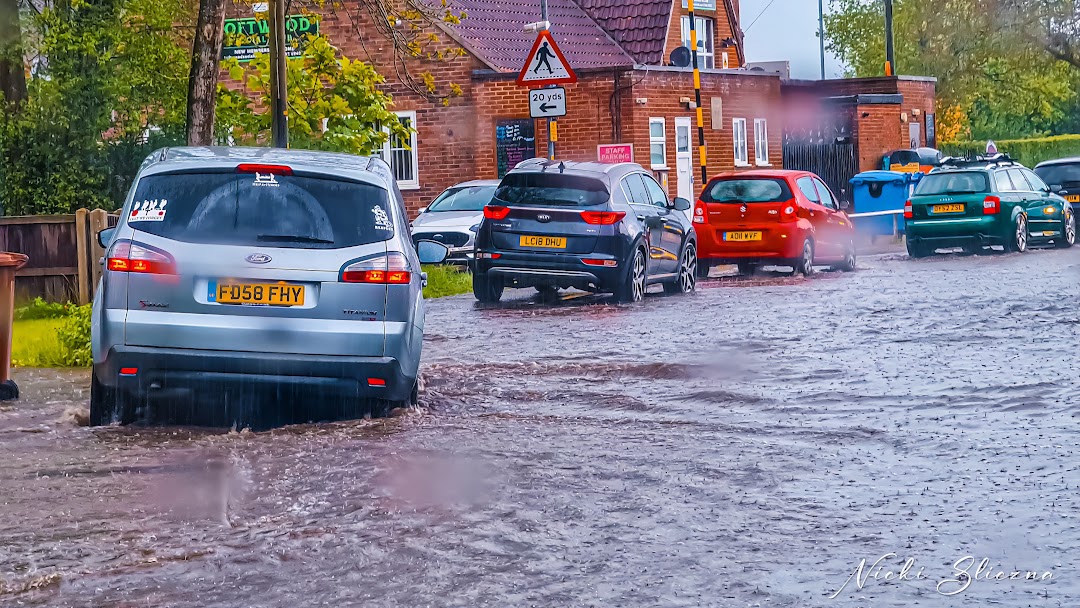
(546, 64)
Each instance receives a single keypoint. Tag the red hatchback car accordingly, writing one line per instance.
(776, 218)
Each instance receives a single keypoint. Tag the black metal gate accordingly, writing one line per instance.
(828, 151)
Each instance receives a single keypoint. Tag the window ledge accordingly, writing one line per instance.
(407, 187)
(760, 164)
(660, 167)
(742, 165)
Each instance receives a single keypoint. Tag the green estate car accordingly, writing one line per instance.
(983, 202)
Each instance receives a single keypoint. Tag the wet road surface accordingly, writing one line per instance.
(744, 446)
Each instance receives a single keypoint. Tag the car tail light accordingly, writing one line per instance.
(389, 269)
(129, 371)
(991, 205)
(127, 256)
(602, 218)
(700, 215)
(494, 212)
(909, 211)
(379, 382)
(260, 168)
(597, 262)
(789, 212)
(488, 256)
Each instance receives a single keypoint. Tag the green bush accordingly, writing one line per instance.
(40, 309)
(74, 335)
(1029, 152)
(59, 340)
(446, 280)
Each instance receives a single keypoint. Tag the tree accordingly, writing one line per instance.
(12, 68)
(1052, 25)
(203, 80)
(989, 76)
(335, 103)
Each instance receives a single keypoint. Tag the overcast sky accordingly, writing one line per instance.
(786, 30)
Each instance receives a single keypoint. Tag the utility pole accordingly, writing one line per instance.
(821, 33)
(890, 52)
(552, 124)
(279, 95)
(697, 94)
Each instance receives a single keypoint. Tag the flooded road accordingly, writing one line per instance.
(748, 445)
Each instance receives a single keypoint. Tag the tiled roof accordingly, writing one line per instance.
(640, 26)
(492, 30)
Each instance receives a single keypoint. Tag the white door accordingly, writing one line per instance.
(684, 162)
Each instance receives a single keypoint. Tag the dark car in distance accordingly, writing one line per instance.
(1063, 177)
(606, 228)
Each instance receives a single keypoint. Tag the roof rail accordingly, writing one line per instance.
(971, 160)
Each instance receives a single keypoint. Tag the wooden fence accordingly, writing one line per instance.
(64, 254)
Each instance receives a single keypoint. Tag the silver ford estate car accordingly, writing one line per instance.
(244, 286)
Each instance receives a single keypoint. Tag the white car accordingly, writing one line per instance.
(453, 217)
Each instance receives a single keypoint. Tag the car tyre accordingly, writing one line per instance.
(687, 279)
(804, 264)
(850, 258)
(547, 293)
(632, 288)
(1019, 240)
(107, 405)
(747, 268)
(917, 250)
(703, 269)
(1068, 231)
(487, 290)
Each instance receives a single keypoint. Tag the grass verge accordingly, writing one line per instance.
(446, 280)
(35, 343)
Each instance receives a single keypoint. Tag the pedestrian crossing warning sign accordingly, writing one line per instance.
(546, 64)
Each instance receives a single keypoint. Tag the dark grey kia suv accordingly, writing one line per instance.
(597, 227)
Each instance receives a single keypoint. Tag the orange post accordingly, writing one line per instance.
(9, 263)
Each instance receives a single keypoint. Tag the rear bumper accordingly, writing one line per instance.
(534, 270)
(187, 374)
(779, 242)
(958, 232)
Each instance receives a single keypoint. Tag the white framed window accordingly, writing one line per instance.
(401, 153)
(658, 143)
(738, 136)
(761, 142)
(706, 40)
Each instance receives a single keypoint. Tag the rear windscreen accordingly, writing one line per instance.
(261, 209)
(758, 190)
(551, 189)
(468, 198)
(953, 182)
(1060, 175)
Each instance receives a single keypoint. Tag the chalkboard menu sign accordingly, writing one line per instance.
(515, 141)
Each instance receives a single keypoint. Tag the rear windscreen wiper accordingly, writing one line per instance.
(290, 238)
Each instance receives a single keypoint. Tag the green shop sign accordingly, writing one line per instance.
(246, 37)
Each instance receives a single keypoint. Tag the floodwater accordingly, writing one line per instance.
(747, 445)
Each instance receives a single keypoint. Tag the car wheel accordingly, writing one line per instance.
(487, 289)
(547, 293)
(850, 261)
(917, 250)
(687, 279)
(805, 264)
(107, 405)
(1068, 230)
(1019, 240)
(747, 268)
(703, 269)
(971, 249)
(632, 288)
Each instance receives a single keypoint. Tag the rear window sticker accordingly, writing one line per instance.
(148, 211)
(265, 181)
(382, 221)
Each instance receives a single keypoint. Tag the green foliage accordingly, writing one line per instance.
(334, 103)
(111, 86)
(1029, 152)
(446, 280)
(52, 336)
(40, 309)
(34, 344)
(74, 336)
(1002, 84)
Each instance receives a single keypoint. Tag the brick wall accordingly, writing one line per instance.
(721, 30)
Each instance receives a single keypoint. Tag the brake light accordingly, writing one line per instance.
(598, 262)
(260, 168)
(127, 256)
(602, 218)
(379, 382)
(789, 212)
(991, 205)
(495, 212)
(700, 217)
(389, 269)
(908, 211)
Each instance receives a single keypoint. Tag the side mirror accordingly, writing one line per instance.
(1055, 188)
(421, 210)
(105, 236)
(681, 204)
(431, 252)
(845, 206)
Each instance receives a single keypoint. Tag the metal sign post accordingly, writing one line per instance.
(697, 95)
(546, 66)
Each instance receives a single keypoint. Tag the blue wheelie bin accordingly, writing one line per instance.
(874, 192)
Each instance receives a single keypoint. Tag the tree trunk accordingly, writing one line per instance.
(205, 61)
(12, 68)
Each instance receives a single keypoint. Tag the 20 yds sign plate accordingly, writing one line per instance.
(547, 103)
